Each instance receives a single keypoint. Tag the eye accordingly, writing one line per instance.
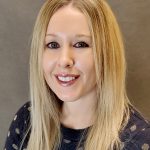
(53, 45)
(81, 45)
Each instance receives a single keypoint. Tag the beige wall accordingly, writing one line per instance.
(16, 24)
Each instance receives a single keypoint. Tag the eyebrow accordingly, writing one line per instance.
(78, 35)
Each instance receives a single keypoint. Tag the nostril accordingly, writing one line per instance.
(66, 63)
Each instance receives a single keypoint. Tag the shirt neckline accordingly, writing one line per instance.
(73, 134)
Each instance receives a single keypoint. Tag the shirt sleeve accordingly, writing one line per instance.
(141, 141)
(137, 134)
(18, 128)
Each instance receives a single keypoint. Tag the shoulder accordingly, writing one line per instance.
(18, 127)
(136, 134)
(22, 117)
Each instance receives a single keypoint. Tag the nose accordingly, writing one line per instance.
(66, 58)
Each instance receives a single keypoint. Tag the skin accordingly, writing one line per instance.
(71, 52)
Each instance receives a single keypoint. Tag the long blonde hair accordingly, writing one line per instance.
(112, 111)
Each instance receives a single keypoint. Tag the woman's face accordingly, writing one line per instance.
(68, 59)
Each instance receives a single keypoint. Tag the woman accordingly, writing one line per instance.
(77, 84)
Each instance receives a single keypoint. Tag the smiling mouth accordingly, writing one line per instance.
(67, 80)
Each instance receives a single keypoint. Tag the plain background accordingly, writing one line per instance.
(16, 24)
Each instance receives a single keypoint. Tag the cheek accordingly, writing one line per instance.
(87, 67)
(86, 64)
(47, 63)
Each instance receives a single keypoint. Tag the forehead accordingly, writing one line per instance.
(68, 20)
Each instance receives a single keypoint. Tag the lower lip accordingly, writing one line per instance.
(65, 84)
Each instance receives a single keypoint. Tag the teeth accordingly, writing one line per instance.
(66, 78)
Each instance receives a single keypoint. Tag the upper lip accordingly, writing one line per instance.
(66, 75)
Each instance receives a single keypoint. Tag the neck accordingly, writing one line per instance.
(78, 114)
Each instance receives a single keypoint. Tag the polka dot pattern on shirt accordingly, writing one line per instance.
(15, 117)
(13, 136)
(8, 134)
(17, 131)
(133, 128)
(15, 146)
(135, 136)
(66, 141)
(145, 146)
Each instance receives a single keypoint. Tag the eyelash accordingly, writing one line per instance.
(56, 45)
(82, 44)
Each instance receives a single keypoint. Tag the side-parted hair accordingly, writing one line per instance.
(112, 110)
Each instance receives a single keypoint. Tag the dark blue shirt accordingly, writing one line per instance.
(135, 136)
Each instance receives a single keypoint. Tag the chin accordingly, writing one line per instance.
(67, 99)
